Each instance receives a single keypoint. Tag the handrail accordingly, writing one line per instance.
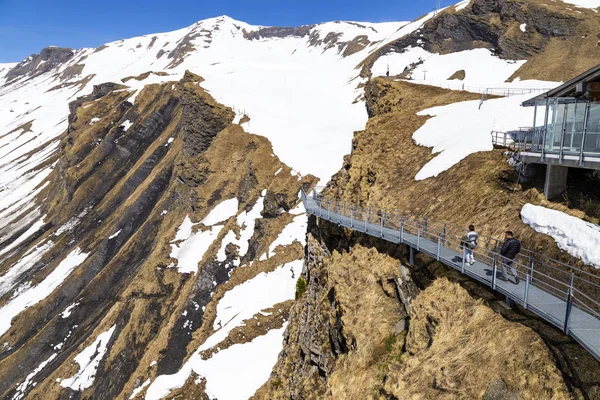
(559, 266)
(427, 235)
(495, 91)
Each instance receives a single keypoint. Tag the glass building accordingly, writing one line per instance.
(566, 122)
(565, 132)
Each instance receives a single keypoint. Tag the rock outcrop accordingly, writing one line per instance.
(38, 64)
(126, 177)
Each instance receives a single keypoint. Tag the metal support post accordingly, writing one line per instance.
(439, 245)
(545, 131)
(569, 304)
(494, 271)
(328, 210)
(534, 125)
(411, 259)
(585, 126)
(419, 239)
(382, 219)
(402, 230)
(444, 235)
(527, 283)
(563, 129)
(352, 218)
(464, 255)
(531, 265)
(365, 218)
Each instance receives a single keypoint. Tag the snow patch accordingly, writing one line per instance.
(10, 278)
(460, 129)
(22, 388)
(188, 248)
(294, 231)
(254, 360)
(126, 125)
(67, 312)
(579, 238)
(33, 295)
(88, 361)
(247, 223)
(225, 210)
(34, 228)
(462, 5)
(593, 4)
(138, 390)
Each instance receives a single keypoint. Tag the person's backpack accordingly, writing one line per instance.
(471, 241)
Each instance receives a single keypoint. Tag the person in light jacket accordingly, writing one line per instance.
(509, 251)
(470, 245)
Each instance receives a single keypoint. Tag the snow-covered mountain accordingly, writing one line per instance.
(64, 128)
(150, 230)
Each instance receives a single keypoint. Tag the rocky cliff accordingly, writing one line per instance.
(126, 177)
(555, 39)
(353, 334)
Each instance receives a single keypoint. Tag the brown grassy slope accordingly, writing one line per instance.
(456, 347)
(144, 186)
(380, 171)
(355, 289)
(564, 58)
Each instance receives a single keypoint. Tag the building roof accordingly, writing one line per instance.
(568, 89)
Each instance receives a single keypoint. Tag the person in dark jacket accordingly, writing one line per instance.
(509, 251)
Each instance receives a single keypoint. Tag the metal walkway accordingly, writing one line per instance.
(562, 295)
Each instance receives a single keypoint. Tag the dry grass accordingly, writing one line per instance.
(380, 172)
(565, 58)
(151, 297)
(369, 312)
(456, 347)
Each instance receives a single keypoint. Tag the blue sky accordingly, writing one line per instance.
(28, 26)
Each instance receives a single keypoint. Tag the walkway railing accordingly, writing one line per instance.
(457, 85)
(561, 294)
(516, 141)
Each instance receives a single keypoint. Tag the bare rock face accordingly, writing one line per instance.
(490, 24)
(485, 24)
(202, 117)
(278, 32)
(38, 64)
(498, 390)
(126, 177)
(276, 203)
(314, 340)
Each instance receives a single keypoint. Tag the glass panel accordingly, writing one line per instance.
(550, 128)
(559, 121)
(567, 139)
(538, 130)
(592, 136)
(577, 135)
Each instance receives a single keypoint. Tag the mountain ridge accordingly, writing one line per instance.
(157, 177)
